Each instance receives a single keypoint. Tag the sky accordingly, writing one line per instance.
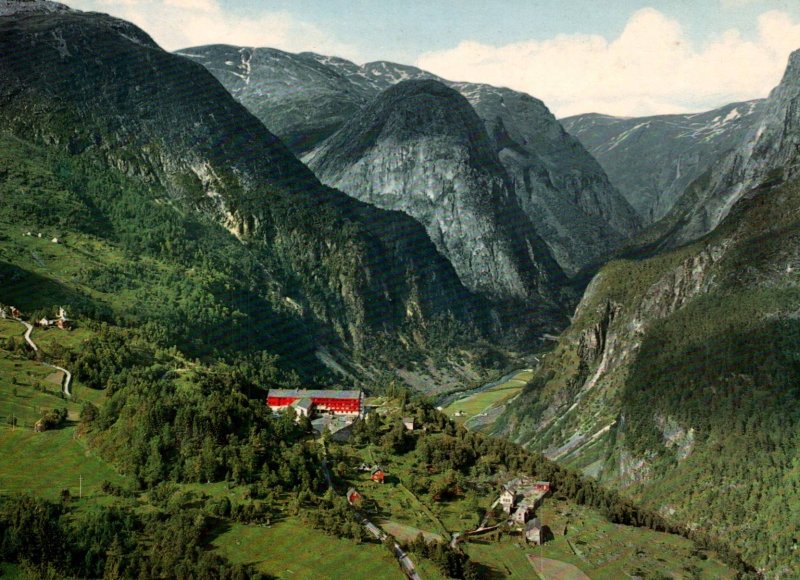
(618, 57)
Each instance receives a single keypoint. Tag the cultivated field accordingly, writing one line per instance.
(290, 549)
(469, 407)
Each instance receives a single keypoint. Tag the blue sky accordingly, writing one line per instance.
(623, 57)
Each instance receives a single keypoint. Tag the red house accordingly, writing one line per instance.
(334, 402)
(378, 475)
(353, 497)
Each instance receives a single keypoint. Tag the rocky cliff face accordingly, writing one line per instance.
(767, 156)
(300, 99)
(670, 363)
(98, 87)
(421, 149)
(652, 160)
(560, 187)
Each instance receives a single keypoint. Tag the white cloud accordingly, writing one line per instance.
(178, 24)
(651, 67)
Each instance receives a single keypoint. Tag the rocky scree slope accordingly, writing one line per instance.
(561, 188)
(678, 381)
(97, 87)
(652, 160)
(421, 149)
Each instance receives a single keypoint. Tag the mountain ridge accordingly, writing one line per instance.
(93, 86)
(652, 160)
(420, 148)
(557, 182)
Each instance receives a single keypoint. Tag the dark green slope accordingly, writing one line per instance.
(147, 150)
(679, 381)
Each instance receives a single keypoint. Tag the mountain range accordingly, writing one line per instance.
(677, 378)
(560, 187)
(652, 160)
(325, 268)
(285, 215)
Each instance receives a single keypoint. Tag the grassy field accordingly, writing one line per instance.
(290, 549)
(42, 463)
(45, 463)
(465, 409)
(395, 501)
(11, 572)
(599, 549)
(408, 533)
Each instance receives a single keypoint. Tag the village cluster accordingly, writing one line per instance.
(337, 411)
(61, 320)
(519, 499)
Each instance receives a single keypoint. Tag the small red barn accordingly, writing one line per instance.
(353, 497)
(378, 476)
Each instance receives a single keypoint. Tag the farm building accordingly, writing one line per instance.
(542, 487)
(63, 322)
(349, 403)
(536, 533)
(507, 500)
(378, 476)
(520, 497)
(408, 423)
(522, 513)
(353, 497)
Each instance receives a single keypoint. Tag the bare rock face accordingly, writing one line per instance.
(560, 186)
(298, 98)
(652, 160)
(421, 149)
(563, 191)
(766, 157)
(18, 7)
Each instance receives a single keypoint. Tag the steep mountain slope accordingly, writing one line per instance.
(561, 188)
(302, 106)
(125, 116)
(421, 149)
(678, 380)
(652, 160)
(767, 156)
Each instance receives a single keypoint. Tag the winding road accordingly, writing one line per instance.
(67, 381)
(405, 562)
(28, 331)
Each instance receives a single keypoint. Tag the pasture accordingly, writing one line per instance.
(291, 549)
(462, 410)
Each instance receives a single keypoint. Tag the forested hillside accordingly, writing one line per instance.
(229, 243)
(678, 381)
